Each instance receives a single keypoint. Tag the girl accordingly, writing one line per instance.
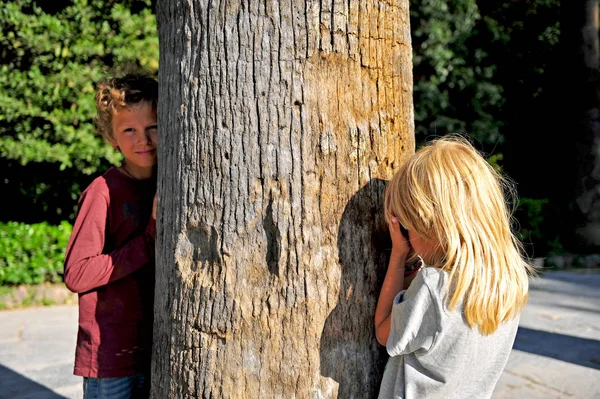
(450, 332)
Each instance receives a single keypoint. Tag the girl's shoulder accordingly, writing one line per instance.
(435, 279)
(431, 274)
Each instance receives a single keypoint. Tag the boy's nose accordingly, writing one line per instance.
(145, 136)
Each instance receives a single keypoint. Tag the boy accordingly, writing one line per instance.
(109, 260)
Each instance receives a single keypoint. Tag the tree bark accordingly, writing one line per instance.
(583, 113)
(280, 123)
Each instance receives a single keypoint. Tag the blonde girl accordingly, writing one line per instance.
(450, 332)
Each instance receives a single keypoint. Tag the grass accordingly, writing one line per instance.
(47, 294)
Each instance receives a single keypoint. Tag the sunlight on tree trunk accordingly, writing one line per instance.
(280, 123)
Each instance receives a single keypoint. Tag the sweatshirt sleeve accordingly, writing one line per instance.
(86, 267)
(416, 318)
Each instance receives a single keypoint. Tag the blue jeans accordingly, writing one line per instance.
(133, 387)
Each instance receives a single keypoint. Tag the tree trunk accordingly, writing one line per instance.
(583, 112)
(280, 123)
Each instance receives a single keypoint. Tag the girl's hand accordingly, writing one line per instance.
(400, 244)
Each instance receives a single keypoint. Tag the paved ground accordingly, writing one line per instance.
(37, 348)
(556, 354)
(557, 350)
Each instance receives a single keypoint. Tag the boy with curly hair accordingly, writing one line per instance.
(109, 259)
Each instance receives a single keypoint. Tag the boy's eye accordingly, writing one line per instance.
(153, 127)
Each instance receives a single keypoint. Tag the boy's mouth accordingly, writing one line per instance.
(145, 152)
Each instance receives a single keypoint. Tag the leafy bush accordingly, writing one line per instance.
(455, 84)
(32, 254)
(538, 228)
(52, 54)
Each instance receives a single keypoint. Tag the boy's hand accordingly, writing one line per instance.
(400, 245)
(154, 206)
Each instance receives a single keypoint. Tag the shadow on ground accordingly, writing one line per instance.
(16, 386)
(581, 351)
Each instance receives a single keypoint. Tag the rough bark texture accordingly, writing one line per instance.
(584, 112)
(280, 123)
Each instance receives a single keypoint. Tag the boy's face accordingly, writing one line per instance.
(135, 134)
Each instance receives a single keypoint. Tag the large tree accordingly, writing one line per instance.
(280, 123)
(582, 111)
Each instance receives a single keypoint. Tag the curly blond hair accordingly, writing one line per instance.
(114, 94)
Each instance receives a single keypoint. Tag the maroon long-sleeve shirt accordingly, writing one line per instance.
(109, 262)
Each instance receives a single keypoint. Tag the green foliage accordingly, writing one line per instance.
(454, 86)
(533, 208)
(476, 62)
(535, 216)
(32, 254)
(522, 39)
(488, 69)
(52, 55)
(495, 161)
(480, 68)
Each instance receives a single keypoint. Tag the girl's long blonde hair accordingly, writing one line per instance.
(449, 194)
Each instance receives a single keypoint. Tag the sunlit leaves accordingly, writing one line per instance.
(50, 62)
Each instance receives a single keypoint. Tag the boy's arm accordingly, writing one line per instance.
(86, 267)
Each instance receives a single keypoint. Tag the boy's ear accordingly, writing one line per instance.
(113, 142)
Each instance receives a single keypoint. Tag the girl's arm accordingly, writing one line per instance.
(393, 282)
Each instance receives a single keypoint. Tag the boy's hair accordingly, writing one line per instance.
(449, 194)
(114, 94)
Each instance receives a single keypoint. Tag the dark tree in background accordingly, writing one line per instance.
(523, 41)
(495, 70)
(551, 117)
(582, 111)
